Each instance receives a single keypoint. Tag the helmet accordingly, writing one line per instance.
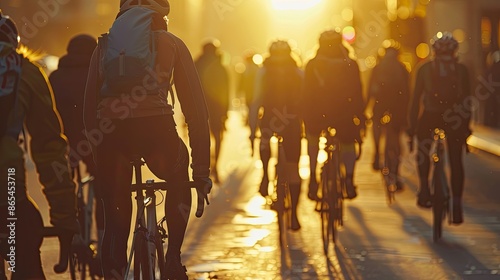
(280, 47)
(444, 43)
(160, 6)
(211, 45)
(329, 38)
(9, 36)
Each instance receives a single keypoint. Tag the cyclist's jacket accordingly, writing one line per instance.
(278, 87)
(333, 94)
(389, 87)
(68, 83)
(172, 53)
(440, 88)
(48, 146)
(215, 81)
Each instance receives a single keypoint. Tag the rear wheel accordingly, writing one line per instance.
(326, 209)
(438, 209)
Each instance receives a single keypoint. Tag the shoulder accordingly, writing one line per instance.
(170, 41)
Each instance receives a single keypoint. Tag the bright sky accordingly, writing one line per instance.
(294, 4)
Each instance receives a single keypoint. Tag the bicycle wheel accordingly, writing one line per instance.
(324, 210)
(337, 192)
(280, 208)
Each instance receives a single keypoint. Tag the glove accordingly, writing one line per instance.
(204, 184)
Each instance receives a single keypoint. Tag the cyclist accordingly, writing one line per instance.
(246, 87)
(442, 85)
(145, 126)
(389, 95)
(215, 82)
(68, 83)
(31, 104)
(333, 98)
(277, 89)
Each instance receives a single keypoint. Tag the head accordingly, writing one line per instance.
(82, 45)
(444, 44)
(9, 35)
(330, 38)
(280, 48)
(160, 6)
(211, 46)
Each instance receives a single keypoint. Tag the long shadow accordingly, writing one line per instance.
(295, 263)
(388, 272)
(459, 259)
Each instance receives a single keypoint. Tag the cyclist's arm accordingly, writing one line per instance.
(49, 148)
(415, 100)
(91, 92)
(192, 99)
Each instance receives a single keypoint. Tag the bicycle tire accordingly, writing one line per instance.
(437, 204)
(326, 212)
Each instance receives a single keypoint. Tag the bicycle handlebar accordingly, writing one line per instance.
(202, 196)
(65, 239)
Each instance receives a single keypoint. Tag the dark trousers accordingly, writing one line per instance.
(156, 140)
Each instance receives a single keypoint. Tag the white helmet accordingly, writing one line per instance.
(160, 6)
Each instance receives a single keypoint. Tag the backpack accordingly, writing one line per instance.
(10, 73)
(129, 56)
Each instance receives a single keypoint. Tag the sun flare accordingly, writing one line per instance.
(294, 4)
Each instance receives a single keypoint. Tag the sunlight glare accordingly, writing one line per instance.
(294, 4)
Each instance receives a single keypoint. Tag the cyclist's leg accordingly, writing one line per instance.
(115, 175)
(455, 155)
(313, 149)
(377, 132)
(291, 145)
(217, 126)
(423, 165)
(265, 155)
(28, 239)
(348, 158)
(167, 157)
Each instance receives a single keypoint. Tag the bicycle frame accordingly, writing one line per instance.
(149, 235)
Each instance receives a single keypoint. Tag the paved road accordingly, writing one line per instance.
(237, 237)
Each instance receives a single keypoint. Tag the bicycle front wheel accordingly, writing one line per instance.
(327, 207)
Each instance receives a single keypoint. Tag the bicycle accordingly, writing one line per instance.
(147, 251)
(440, 187)
(84, 248)
(331, 190)
(281, 199)
(391, 158)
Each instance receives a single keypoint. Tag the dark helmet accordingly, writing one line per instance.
(330, 38)
(9, 36)
(160, 6)
(280, 47)
(444, 43)
(211, 46)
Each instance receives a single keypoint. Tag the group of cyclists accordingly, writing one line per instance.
(326, 93)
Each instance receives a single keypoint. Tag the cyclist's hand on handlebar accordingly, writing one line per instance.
(203, 188)
(204, 184)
